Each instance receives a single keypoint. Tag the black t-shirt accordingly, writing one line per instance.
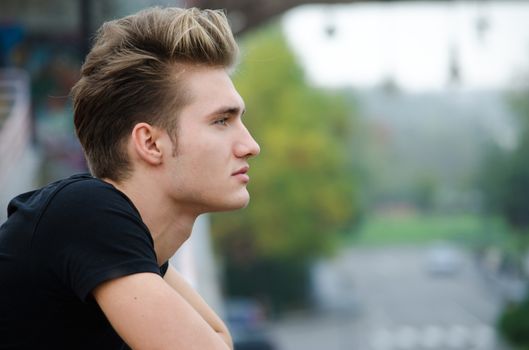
(57, 245)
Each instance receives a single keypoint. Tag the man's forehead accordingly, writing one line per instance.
(211, 90)
(204, 77)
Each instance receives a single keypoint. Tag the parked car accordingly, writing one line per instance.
(246, 319)
(443, 260)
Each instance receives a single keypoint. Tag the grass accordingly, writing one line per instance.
(417, 229)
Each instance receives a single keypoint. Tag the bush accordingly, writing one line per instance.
(513, 324)
(279, 285)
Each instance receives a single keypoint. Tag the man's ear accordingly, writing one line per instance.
(145, 140)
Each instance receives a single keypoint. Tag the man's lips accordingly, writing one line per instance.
(242, 170)
(242, 174)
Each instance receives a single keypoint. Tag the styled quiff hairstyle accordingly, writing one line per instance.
(132, 75)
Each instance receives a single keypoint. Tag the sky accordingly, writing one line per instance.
(413, 43)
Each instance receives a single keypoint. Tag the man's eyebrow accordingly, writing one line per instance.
(232, 110)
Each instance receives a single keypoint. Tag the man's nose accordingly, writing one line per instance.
(247, 147)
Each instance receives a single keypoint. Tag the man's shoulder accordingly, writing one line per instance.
(77, 191)
(87, 192)
(83, 185)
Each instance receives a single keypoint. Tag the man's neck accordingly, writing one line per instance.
(169, 225)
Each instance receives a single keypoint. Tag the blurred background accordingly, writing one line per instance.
(390, 202)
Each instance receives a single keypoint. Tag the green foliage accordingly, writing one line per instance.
(277, 283)
(513, 324)
(505, 181)
(505, 175)
(303, 189)
(302, 184)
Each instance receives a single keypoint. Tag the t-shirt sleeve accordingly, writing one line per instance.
(163, 268)
(95, 235)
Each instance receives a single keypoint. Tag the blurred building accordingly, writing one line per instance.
(18, 161)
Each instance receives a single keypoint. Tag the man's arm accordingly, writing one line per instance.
(179, 284)
(149, 314)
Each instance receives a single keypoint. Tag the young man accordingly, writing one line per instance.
(83, 261)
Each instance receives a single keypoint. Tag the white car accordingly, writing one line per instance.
(443, 260)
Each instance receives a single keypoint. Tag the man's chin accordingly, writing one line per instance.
(235, 204)
(239, 205)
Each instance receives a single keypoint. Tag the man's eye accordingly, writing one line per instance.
(222, 121)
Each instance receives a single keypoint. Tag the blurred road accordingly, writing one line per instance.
(398, 304)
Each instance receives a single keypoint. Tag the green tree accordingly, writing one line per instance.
(304, 192)
(505, 178)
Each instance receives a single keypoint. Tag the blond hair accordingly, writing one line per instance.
(131, 76)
